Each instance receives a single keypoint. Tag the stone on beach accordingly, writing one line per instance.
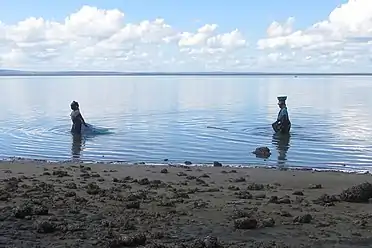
(147, 206)
(357, 193)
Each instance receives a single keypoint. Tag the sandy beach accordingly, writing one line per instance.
(99, 205)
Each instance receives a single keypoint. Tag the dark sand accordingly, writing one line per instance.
(70, 205)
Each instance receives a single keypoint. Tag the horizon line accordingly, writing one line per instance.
(6, 72)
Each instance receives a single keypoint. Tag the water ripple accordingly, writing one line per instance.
(325, 133)
(155, 139)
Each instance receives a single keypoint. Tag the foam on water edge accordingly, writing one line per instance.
(344, 169)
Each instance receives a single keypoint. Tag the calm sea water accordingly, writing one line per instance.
(199, 119)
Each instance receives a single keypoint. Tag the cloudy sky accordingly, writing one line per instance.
(168, 35)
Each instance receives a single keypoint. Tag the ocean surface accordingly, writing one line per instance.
(197, 119)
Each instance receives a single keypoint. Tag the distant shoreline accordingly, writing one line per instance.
(11, 73)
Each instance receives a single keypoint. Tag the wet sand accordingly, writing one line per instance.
(98, 205)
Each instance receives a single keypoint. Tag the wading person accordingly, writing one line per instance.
(77, 119)
(282, 124)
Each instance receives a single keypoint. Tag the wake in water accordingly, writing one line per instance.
(305, 134)
(80, 127)
(90, 130)
(94, 130)
(218, 128)
(87, 132)
(256, 131)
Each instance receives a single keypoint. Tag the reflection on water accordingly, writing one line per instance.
(282, 143)
(201, 119)
(78, 141)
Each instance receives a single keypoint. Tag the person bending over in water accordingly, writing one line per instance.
(77, 118)
(282, 124)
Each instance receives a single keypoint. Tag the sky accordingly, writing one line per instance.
(165, 35)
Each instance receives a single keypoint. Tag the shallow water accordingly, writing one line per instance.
(199, 119)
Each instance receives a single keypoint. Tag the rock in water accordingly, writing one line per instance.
(217, 164)
(262, 152)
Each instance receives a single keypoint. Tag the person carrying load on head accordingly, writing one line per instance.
(282, 124)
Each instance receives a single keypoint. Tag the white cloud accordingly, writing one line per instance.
(97, 39)
(276, 29)
(344, 38)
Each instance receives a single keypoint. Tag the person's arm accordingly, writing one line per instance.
(82, 119)
(280, 114)
(283, 116)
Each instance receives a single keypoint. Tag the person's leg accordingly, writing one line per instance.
(285, 129)
(288, 128)
(76, 129)
(73, 127)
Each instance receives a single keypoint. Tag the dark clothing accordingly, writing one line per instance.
(77, 122)
(76, 128)
(282, 124)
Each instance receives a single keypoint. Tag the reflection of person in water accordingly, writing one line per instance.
(77, 145)
(282, 124)
(281, 141)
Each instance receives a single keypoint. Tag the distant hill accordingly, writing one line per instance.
(9, 71)
(4, 72)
